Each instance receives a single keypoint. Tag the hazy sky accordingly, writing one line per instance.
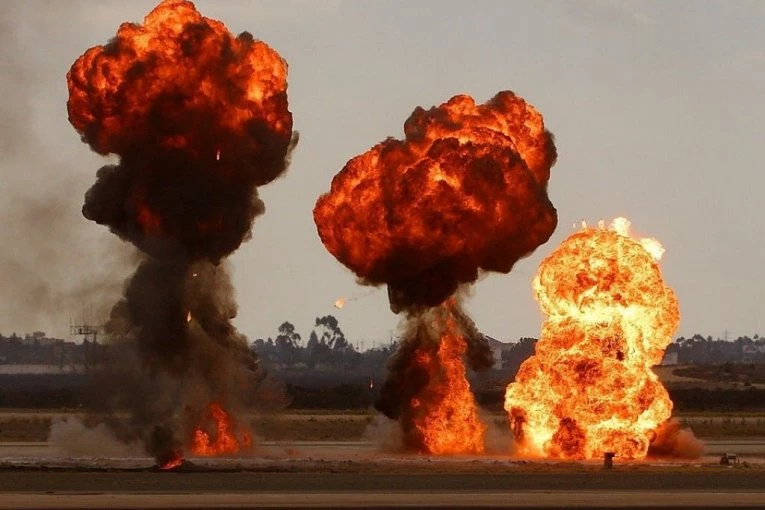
(658, 111)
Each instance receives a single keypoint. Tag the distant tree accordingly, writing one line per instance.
(288, 344)
(331, 334)
(317, 351)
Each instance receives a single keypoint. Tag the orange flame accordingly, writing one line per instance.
(465, 191)
(97, 80)
(589, 388)
(339, 303)
(168, 96)
(174, 461)
(443, 417)
(226, 437)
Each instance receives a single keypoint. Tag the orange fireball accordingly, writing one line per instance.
(158, 78)
(199, 118)
(589, 388)
(465, 191)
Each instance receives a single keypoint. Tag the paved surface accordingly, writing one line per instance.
(354, 475)
(509, 480)
(626, 499)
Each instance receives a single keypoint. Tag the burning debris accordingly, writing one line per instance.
(589, 388)
(466, 191)
(227, 438)
(199, 120)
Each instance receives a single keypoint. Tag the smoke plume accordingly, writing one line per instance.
(199, 120)
(46, 245)
(464, 192)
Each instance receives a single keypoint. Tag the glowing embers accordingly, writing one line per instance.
(589, 388)
(218, 434)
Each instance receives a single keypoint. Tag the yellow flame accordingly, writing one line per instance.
(188, 316)
(339, 303)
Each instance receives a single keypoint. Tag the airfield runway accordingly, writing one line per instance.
(356, 474)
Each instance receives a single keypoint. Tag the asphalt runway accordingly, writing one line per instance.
(382, 500)
(357, 475)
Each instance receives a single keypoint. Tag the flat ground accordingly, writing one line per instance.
(32, 425)
(357, 475)
(513, 488)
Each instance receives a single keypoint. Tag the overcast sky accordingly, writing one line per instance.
(658, 111)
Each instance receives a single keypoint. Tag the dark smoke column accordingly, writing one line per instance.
(464, 192)
(199, 120)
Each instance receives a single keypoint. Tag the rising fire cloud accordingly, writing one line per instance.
(589, 388)
(464, 192)
(199, 119)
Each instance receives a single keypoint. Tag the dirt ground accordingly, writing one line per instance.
(18, 426)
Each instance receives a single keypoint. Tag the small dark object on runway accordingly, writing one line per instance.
(608, 460)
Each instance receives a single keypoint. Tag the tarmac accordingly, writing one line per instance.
(311, 474)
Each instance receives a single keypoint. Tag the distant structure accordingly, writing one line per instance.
(85, 330)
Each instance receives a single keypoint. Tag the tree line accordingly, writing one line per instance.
(327, 347)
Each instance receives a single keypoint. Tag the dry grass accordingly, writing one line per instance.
(27, 428)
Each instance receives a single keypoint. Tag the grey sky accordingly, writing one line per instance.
(657, 109)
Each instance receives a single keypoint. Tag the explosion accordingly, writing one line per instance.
(464, 192)
(199, 120)
(589, 388)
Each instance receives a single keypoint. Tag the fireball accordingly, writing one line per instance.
(589, 387)
(464, 192)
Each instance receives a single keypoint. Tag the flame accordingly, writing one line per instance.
(224, 439)
(175, 460)
(465, 191)
(163, 43)
(164, 96)
(589, 388)
(339, 303)
(442, 418)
